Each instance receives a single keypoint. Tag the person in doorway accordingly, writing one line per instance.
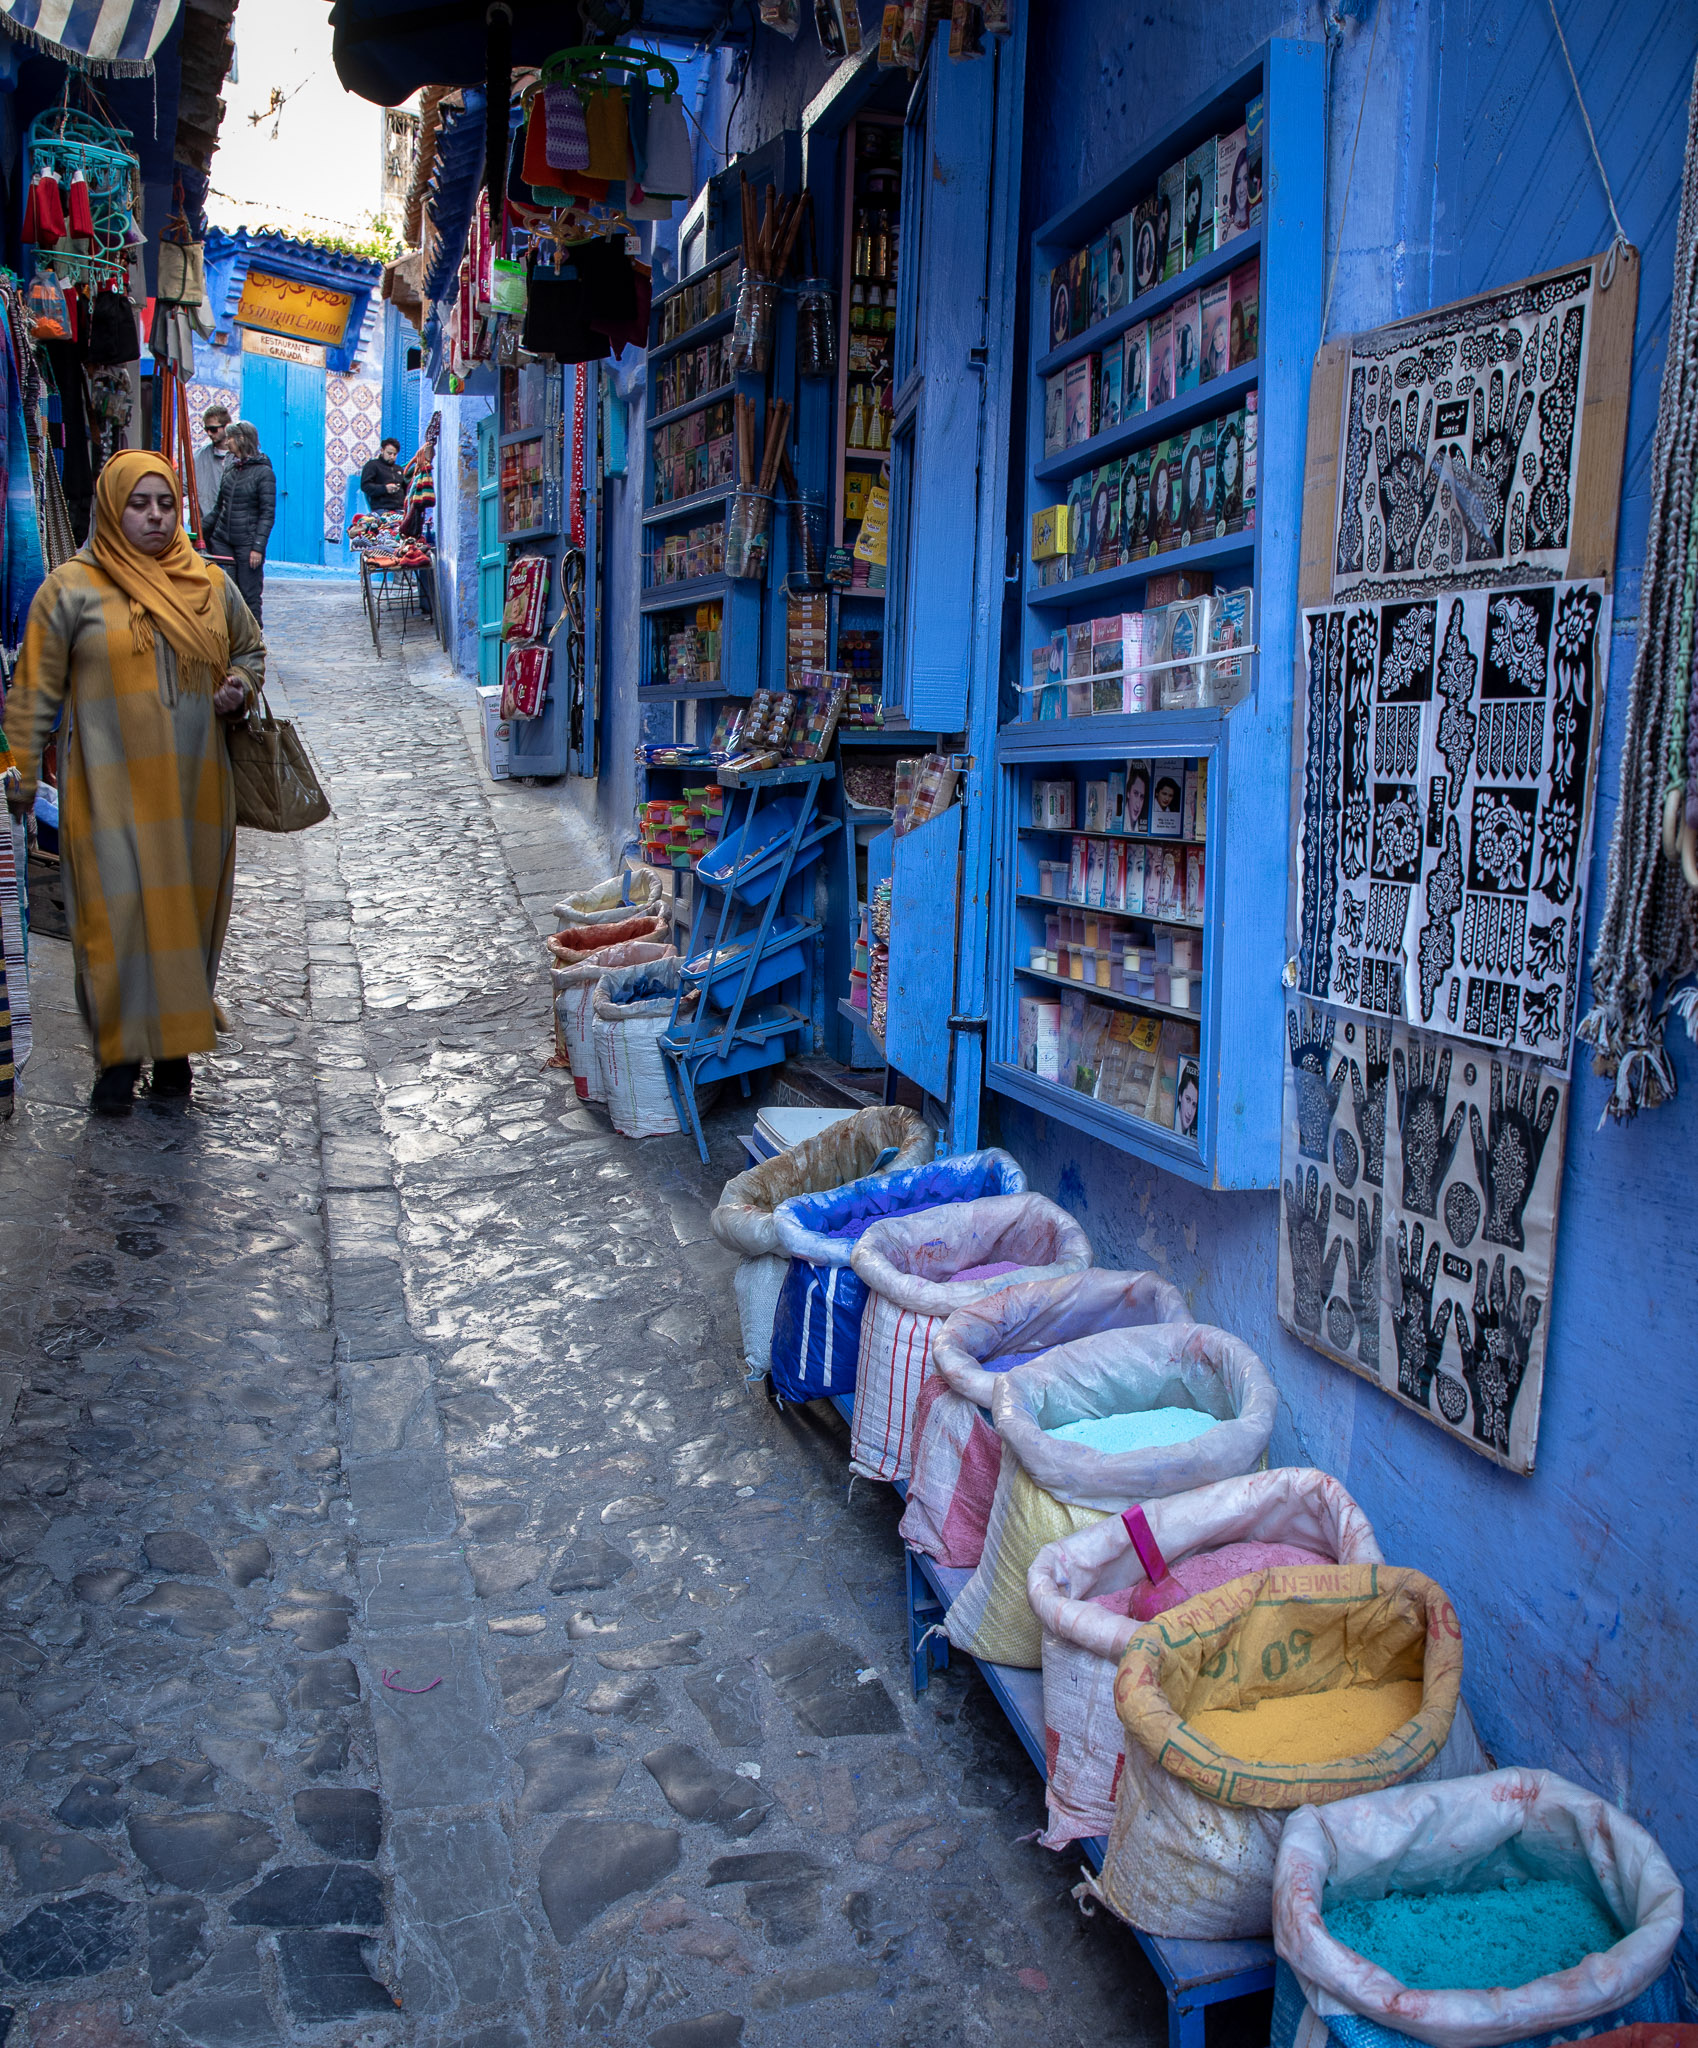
(247, 507)
(147, 648)
(211, 462)
(382, 481)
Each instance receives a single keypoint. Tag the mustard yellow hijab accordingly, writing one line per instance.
(175, 591)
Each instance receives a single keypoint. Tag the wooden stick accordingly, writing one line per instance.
(787, 238)
(777, 433)
(748, 224)
(768, 226)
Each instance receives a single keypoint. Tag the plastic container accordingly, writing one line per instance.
(816, 329)
(807, 538)
(751, 329)
(747, 535)
(786, 955)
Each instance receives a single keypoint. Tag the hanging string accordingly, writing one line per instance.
(1648, 937)
(1350, 173)
(1606, 277)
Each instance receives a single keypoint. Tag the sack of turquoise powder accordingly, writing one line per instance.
(958, 1453)
(1473, 1835)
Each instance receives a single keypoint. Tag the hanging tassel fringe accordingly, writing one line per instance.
(96, 67)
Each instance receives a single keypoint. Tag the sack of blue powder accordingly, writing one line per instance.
(1505, 1907)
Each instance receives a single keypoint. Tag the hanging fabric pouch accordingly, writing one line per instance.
(567, 143)
(77, 206)
(524, 682)
(113, 335)
(670, 171)
(527, 595)
(182, 273)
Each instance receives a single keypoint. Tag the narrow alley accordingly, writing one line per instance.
(414, 1628)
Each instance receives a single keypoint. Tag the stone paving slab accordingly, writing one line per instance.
(412, 1629)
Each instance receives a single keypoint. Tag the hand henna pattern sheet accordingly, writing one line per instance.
(1447, 808)
(1419, 1193)
(1459, 448)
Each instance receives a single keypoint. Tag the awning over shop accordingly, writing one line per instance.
(385, 50)
(117, 38)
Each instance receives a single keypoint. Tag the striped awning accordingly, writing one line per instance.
(115, 37)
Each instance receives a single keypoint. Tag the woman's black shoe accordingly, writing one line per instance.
(114, 1092)
(172, 1080)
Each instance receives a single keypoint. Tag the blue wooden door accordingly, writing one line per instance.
(491, 554)
(285, 404)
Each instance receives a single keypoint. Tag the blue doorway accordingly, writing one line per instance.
(285, 404)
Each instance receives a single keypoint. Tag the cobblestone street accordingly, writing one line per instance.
(414, 1629)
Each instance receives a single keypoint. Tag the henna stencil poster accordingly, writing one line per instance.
(1419, 1183)
(1459, 447)
(1449, 755)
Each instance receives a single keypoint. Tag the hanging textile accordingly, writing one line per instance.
(14, 858)
(117, 39)
(1648, 940)
(24, 568)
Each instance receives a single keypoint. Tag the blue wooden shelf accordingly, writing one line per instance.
(1247, 747)
(1219, 263)
(694, 590)
(1220, 394)
(683, 508)
(1235, 550)
(690, 405)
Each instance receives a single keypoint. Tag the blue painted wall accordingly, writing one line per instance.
(1576, 1586)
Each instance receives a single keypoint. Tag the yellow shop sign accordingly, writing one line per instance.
(285, 305)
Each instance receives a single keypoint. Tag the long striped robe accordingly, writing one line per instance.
(147, 812)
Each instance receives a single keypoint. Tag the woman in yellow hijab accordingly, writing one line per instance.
(146, 648)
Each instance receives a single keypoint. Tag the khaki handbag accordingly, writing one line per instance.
(276, 788)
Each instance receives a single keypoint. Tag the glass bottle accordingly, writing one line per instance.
(857, 418)
(857, 309)
(881, 245)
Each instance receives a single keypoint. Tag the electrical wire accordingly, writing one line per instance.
(1621, 241)
(1350, 173)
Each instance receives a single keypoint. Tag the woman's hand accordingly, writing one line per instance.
(230, 696)
(254, 558)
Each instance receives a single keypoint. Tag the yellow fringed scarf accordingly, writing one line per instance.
(174, 591)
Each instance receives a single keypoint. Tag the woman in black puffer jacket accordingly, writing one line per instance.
(242, 519)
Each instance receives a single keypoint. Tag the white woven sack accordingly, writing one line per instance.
(627, 1049)
(1430, 1837)
(907, 1264)
(957, 1452)
(574, 1006)
(757, 1284)
(1084, 1743)
(621, 896)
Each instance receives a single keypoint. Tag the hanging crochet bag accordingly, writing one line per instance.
(917, 1271)
(816, 1333)
(527, 598)
(524, 682)
(873, 1141)
(958, 1453)
(1092, 1592)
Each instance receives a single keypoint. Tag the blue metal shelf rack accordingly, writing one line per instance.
(752, 913)
(1247, 748)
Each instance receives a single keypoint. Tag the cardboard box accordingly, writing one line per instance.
(1135, 370)
(1200, 202)
(1232, 188)
(1119, 262)
(1055, 413)
(1049, 533)
(1159, 384)
(1253, 138)
(1147, 251)
(1187, 343)
(497, 733)
(1244, 318)
(1216, 306)
(1170, 218)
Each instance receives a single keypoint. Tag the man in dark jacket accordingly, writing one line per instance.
(381, 480)
(247, 506)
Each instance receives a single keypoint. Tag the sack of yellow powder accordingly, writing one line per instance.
(1083, 1589)
(1473, 1849)
(1290, 1688)
(1048, 1486)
